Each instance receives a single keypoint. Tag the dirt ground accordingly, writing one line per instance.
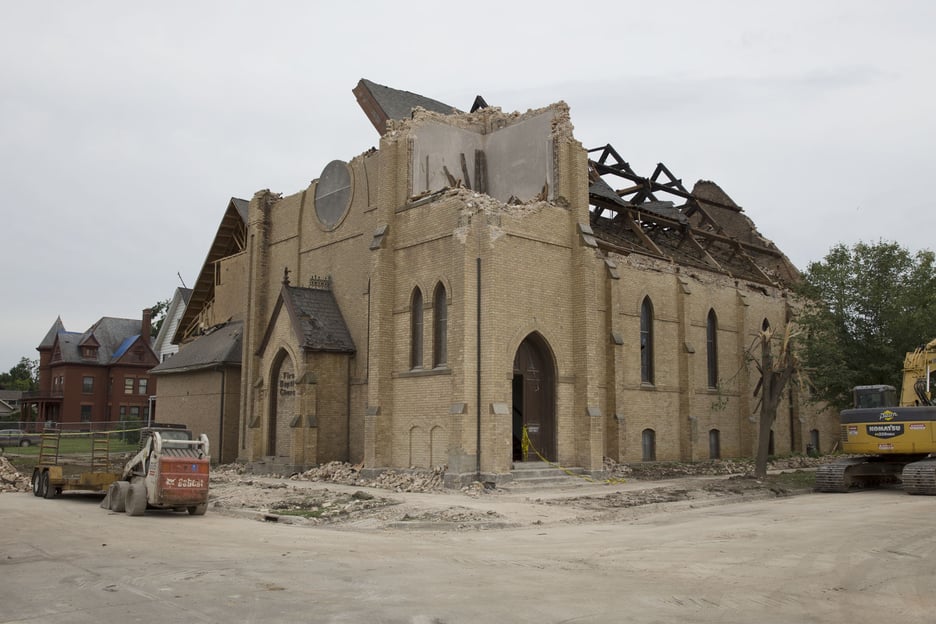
(337, 495)
(668, 544)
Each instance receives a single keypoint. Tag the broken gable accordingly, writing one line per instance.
(506, 156)
(230, 240)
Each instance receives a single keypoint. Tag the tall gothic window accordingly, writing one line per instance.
(711, 348)
(646, 341)
(439, 327)
(714, 444)
(416, 329)
(648, 444)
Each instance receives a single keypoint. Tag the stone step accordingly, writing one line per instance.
(538, 474)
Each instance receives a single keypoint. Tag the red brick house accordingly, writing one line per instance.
(95, 379)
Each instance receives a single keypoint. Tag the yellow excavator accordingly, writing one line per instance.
(895, 438)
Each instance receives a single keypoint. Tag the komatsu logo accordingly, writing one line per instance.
(888, 415)
(890, 430)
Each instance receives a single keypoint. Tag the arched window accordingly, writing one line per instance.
(770, 444)
(714, 444)
(416, 329)
(765, 325)
(439, 327)
(646, 341)
(711, 348)
(648, 443)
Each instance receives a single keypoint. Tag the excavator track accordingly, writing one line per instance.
(845, 474)
(833, 477)
(920, 477)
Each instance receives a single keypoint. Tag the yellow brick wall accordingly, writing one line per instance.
(537, 275)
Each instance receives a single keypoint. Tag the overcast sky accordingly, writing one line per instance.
(124, 130)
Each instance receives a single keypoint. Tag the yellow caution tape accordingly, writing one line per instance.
(526, 444)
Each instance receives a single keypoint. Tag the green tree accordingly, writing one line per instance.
(159, 310)
(868, 305)
(23, 376)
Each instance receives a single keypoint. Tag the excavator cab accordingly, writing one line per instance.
(874, 396)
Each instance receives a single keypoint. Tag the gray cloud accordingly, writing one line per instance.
(124, 129)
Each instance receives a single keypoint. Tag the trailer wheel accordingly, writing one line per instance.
(136, 499)
(198, 510)
(48, 490)
(36, 482)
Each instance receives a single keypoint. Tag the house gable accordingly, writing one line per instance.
(229, 240)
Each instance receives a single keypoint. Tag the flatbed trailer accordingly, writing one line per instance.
(88, 471)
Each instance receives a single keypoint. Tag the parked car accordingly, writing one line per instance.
(18, 437)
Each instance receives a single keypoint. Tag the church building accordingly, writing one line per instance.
(479, 290)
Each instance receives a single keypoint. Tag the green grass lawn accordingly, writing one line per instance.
(73, 450)
(74, 444)
(795, 480)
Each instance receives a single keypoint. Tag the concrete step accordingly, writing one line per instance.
(538, 474)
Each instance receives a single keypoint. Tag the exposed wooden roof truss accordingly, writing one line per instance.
(658, 216)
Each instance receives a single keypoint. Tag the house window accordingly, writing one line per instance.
(416, 329)
(711, 344)
(87, 385)
(86, 413)
(142, 383)
(714, 444)
(648, 444)
(128, 385)
(646, 341)
(135, 412)
(123, 412)
(440, 327)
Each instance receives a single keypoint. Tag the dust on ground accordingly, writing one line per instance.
(338, 494)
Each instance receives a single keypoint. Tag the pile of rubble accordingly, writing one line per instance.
(11, 480)
(412, 480)
(324, 506)
(712, 467)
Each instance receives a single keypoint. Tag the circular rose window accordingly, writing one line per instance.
(333, 194)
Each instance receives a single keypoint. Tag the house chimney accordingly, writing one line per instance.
(147, 325)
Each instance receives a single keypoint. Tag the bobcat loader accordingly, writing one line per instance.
(170, 471)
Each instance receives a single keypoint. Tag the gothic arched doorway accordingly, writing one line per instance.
(282, 404)
(534, 398)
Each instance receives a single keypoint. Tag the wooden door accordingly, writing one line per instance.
(534, 399)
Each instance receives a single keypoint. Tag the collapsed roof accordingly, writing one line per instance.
(631, 214)
(658, 216)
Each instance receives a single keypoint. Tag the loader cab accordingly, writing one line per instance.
(874, 396)
(168, 433)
